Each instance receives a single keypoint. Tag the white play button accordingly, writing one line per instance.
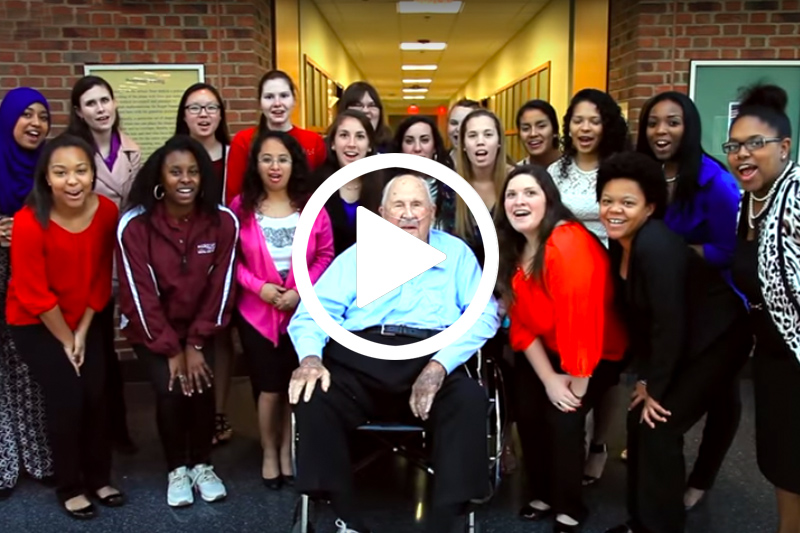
(387, 257)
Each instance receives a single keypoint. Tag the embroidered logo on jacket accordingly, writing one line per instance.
(206, 248)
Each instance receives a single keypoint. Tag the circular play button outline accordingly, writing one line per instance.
(352, 341)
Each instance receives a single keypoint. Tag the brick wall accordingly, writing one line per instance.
(45, 43)
(652, 42)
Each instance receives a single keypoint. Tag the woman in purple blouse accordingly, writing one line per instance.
(703, 209)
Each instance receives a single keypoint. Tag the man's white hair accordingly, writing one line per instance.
(422, 180)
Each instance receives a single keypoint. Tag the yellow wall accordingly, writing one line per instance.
(545, 38)
(590, 65)
(320, 44)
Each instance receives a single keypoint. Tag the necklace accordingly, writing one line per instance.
(752, 218)
(664, 170)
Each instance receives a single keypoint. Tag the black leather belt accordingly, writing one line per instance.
(402, 331)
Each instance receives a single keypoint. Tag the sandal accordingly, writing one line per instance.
(222, 429)
(596, 450)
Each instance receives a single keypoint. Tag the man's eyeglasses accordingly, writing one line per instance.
(196, 109)
(752, 144)
(359, 106)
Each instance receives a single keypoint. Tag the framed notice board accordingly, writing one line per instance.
(148, 97)
(715, 87)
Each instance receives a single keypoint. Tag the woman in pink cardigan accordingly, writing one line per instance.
(275, 190)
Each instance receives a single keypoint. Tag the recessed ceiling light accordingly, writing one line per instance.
(418, 80)
(413, 98)
(439, 8)
(419, 67)
(423, 46)
(415, 90)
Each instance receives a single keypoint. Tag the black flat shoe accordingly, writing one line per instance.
(564, 528)
(595, 449)
(112, 500)
(273, 483)
(85, 513)
(529, 512)
(288, 480)
(622, 528)
(5, 493)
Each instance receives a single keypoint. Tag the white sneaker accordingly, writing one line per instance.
(207, 483)
(179, 490)
(343, 527)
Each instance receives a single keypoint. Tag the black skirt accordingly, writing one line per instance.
(270, 366)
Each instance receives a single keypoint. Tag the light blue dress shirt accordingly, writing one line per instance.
(433, 300)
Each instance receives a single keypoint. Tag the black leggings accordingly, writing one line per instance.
(185, 423)
(74, 406)
(115, 387)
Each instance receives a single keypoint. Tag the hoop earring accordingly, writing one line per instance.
(159, 192)
(435, 156)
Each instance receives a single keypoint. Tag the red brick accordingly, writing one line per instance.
(787, 53)
(702, 30)
(758, 18)
(725, 18)
(785, 41)
(735, 42)
(730, 29)
(757, 29)
(761, 53)
(730, 54)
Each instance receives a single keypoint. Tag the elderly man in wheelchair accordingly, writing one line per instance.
(342, 390)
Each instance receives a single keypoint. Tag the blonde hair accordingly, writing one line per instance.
(465, 223)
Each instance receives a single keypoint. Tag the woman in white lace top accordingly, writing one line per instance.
(594, 128)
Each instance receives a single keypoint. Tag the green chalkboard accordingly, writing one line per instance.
(715, 85)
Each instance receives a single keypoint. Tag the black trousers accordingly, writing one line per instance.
(115, 388)
(656, 466)
(553, 442)
(74, 407)
(456, 426)
(185, 423)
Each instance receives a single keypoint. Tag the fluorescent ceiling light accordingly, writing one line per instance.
(419, 67)
(418, 80)
(423, 46)
(439, 8)
(413, 98)
(421, 90)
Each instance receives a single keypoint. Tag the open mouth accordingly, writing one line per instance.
(521, 213)
(204, 124)
(185, 192)
(616, 221)
(481, 153)
(275, 177)
(747, 170)
(351, 154)
(534, 144)
(585, 140)
(33, 134)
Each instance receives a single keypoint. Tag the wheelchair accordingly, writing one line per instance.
(481, 368)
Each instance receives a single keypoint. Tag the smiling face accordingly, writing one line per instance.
(180, 178)
(586, 127)
(623, 208)
(408, 206)
(665, 129)
(32, 126)
(98, 109)
(525, 204)
(757, 169)
(277, 102)
(202, 113)
(369, 107)
(457, 115)
(481, 141)
(274, 165)
(536, 132)
(70, 177)
(418, 140)
(351, 142)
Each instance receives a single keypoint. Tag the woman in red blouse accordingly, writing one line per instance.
(554, 275)
(61, 277)
(277, 96)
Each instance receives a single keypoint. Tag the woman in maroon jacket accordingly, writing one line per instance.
(176, 251)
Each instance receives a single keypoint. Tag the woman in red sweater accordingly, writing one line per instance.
(555, 277)
(176, 249)
(61, 277)
(277, 95)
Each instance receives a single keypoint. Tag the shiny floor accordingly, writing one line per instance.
(391, 491)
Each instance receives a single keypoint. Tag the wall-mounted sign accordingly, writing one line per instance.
(148, 97)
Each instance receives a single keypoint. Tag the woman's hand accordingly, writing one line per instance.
(177, 370)
(288, 301)
(559, 392)
(198, 370)
(639, 395)
(653, 412)
(6, 225)
(271, 293)
(74, 360)
(79, 348)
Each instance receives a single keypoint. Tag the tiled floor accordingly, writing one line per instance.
(742, 501)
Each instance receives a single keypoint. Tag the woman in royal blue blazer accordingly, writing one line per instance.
(703, 209)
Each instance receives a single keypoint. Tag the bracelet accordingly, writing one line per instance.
(642, 382)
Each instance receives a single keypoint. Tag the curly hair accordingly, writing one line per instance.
(298, 187)
(645, 171)
(181, 128)
(512, 243)
(768, 104)
(440, 152)
(151, 175)
(614, 136)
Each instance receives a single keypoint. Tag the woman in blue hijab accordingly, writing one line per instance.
(24, 125)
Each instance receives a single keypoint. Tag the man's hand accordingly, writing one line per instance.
(425, 388)
(306, 376)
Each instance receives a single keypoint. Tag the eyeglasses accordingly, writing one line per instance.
(752, 144)
(361, 107)
(196, 109)
(268, 161)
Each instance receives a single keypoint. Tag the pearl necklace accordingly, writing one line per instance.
(668, 180)
(765, 200)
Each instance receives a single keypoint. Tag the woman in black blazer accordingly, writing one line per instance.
(688, 336)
